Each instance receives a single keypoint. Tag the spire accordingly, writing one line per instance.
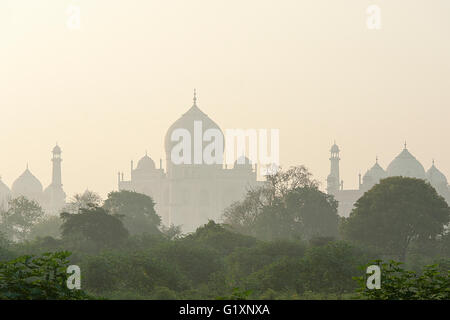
(433, 162)
(405, 144)
(376, 159)
(195, 97)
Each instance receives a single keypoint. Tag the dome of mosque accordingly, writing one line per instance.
(186, 121)
(376, 173)
(434, 175)
(406, 165)
(26, 185)
(146, 163)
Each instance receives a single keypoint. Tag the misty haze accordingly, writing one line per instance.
(202, 150)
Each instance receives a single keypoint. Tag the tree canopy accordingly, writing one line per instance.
(396, 212)
(93, 225)
(83, 201)
(137, 209)
(21, 216)
(37, 277)
(288, 205)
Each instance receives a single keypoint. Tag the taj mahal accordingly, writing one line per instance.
(404, 164)
(190, 194)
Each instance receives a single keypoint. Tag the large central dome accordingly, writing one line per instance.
(406, 165)
(186, 121)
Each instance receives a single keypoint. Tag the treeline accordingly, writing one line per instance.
(284, 240)
(211, 263)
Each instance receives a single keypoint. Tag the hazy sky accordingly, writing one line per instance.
(312, 69)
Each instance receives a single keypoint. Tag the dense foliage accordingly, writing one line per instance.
(92, 228)
(432, 283)
(280, 242)
(288, 206)
(38, 278)
(137, 210)
(22, 214)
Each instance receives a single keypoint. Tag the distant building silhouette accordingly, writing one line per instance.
(190, 194)
(52, 200)
(405, 164)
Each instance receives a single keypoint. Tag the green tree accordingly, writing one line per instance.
(21, 216)
(138, 272)
(245, 261)
(399, 284)
(173, 232)
(196, 261)
(5, 244)
(137, 209)
(302, 213)
(243, 215)
(83, 200)
(40, 277)
(92, 228)
(315, 210)
(288, 206)
(327, 269)
(220, 238)
(444, 245)
(396, 212)
(330, 268)
(46, 227)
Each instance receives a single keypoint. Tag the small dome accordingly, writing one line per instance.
(27, 185)
(334, 148)
(146, 163)
(376, 173)
(56, 149)
(434, 175)
(406, 165)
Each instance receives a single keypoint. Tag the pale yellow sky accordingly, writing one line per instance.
(312, 69)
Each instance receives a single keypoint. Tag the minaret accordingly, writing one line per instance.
(360, 183)
(333, 180)
(56, 176)
(54, 193)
